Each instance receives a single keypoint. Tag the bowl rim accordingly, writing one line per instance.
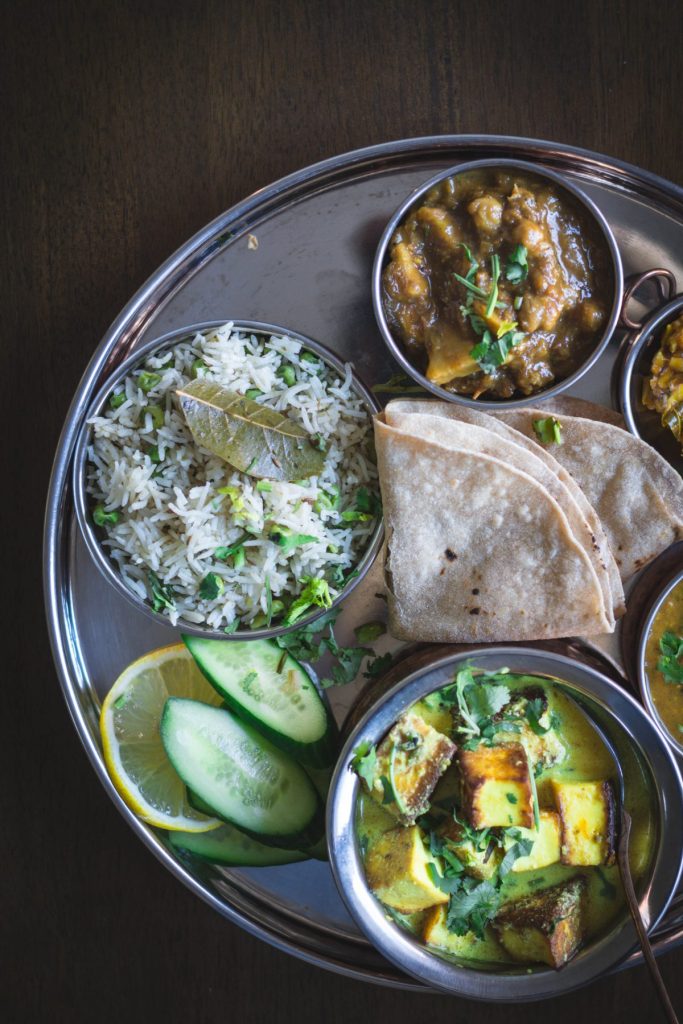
(633, 344)
(396, 349)
(644, 629)
(514, 984)
(107, 567)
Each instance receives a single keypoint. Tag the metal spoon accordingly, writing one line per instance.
(623, 830)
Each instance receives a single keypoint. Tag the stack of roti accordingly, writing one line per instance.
(493, 535)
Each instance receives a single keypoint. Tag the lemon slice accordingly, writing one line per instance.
(133, 751)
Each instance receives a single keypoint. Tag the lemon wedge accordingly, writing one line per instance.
(133, 751)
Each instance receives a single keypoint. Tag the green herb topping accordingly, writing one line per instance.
(162, 595)
(548, 430)
(671, 647)
(516, 266)
(211, 587)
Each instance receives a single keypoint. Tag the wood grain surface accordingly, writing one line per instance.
(127, 126)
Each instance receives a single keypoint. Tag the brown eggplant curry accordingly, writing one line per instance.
(499, 283)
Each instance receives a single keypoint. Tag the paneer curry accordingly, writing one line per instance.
(486, 821)
(498, 283)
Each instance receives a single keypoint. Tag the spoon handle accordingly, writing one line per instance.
(633, 906)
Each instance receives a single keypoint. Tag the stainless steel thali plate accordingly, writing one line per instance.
(310, 271)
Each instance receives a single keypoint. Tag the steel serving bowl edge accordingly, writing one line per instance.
(81, 502)
(503, 403)
(512, 984)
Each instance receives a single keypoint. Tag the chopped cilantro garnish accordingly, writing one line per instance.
(522, 848)
(548, 430)
(511, 798)
(671, 648)
(162, 596)
(516, 265)
(495, 275)
(364, 762)
(472, 907)
(211, 587)
(492, 352)
(288, 540)
(316, 593)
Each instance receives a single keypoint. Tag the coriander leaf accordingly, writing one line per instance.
(535, 708)
(671, 647)
(307, 642)
(316, 592)
(471, 909)
(516, 265)
(364, 762)
(548, 430)
(288, 540)
(369, 632)
(378, 666)
(225, 552)
(522, 848)
(232, 627)
(449, 884)
(162, 596)
(211, 587)
(348, 664)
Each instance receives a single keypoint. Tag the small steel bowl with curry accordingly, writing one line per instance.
(660, 661)
(495, 282)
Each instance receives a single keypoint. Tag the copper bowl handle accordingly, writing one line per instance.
(666, 282)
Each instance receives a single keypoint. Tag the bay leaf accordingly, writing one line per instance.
(253, 438)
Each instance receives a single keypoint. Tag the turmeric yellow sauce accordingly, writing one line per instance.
(587, 759)
(667, 695)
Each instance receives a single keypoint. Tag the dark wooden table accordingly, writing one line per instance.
(127, 126)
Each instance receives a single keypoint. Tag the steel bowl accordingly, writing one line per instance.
(644, 630)
(632, 733)
(381, 258)
(93, 535)
(632, 369)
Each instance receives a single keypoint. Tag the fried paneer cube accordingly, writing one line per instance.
(477, 863)
(437, 934)
(410, 761)
(546, 840)
(588, 819)
(496, 786)
(546, 927)
(396, 868)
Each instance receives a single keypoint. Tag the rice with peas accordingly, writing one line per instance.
(168, 506)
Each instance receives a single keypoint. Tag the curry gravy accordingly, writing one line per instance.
(587, 759)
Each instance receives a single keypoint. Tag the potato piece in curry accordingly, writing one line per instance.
(498, 283)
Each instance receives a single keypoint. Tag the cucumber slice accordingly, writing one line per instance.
(316, 852)
(269, 688)
(230, 846)
(251, 783)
